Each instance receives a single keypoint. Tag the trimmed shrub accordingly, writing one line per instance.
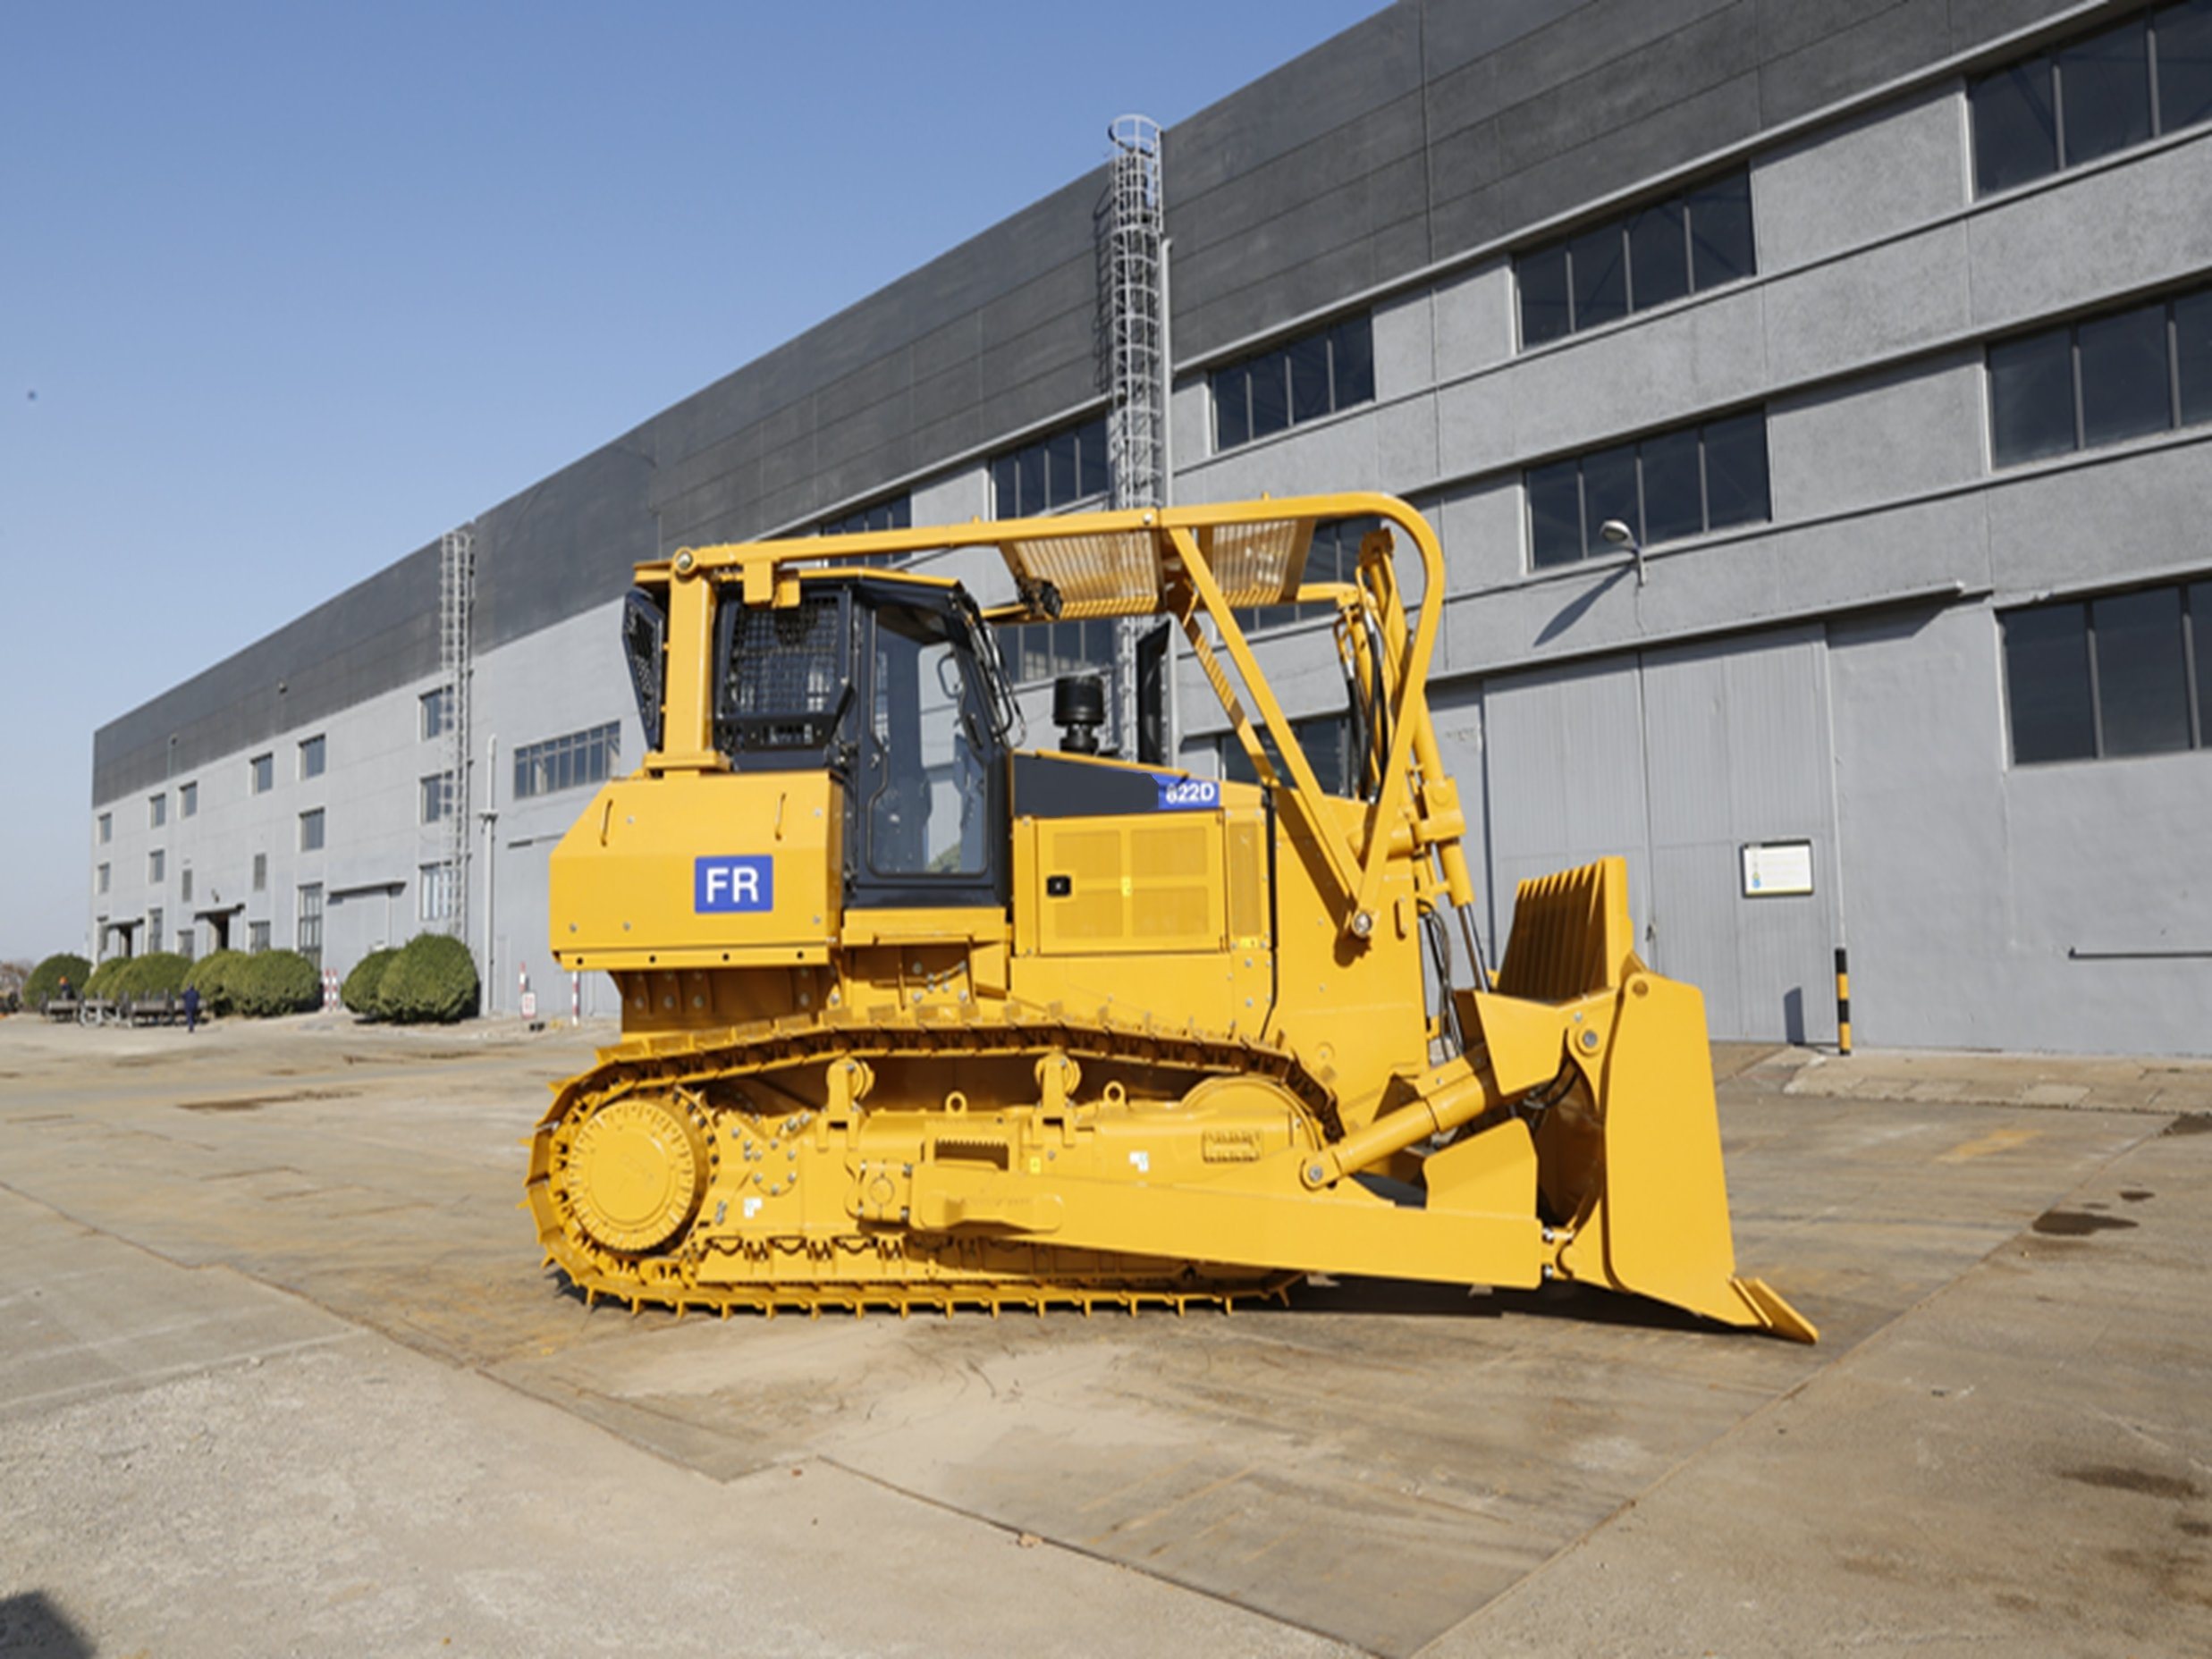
(45, 979)
(271, 983)
(432, 980)
(359, 993)
(153, 975)
(211, 976)
(104, 978)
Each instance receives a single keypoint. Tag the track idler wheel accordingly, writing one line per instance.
(635, 1171)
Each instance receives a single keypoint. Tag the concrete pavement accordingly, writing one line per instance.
(279, 1372)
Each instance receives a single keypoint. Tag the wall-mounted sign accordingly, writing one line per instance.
(1776, 869)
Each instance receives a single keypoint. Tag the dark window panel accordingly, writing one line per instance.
(1609, 491)
(2125, 391)
(1030, 485)
(1060, 483)
(1309, 377)
(1659, 256)
(2142, 693)
(1094, 476)
(1325, 745)
(1720, 231)
(1005, 488)
(2047, 684)
(1270, 394)
(1555, 514)
(2032, 397)
(2015, 130)
(2184, 47)
(2201, 622)
(1325, 561)
(2192, 337)
(1674, 497)
(901, 517)
(1545, 314)
(1736, 471)
(1601, 276)
(1352, 350)
(2104, 88)
(1232, 409)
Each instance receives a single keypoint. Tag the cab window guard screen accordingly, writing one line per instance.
(645, 649)
(786, 674)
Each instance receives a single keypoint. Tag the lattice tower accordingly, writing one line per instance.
(457, 587)
(1136, 423)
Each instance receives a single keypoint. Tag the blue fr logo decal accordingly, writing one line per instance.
(745, 882)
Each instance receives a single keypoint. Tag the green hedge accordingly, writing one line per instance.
(155, 974)
(45, 979)
(432, 980)
(104, 978)
(359, 993)
(271, 982)
(211, 976)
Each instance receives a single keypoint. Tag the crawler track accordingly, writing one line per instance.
(725, 1109)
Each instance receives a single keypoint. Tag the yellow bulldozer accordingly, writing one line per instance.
(915, 1016)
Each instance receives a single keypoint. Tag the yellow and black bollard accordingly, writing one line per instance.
(1842, 1002)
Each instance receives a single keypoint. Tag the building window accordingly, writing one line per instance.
(2092, 96)
(1042, 650)
(184, 885)
(154, 919)
(310, 929)
(437, 712)
(107, 827)
(1671, 484)
(156, 811)
(188, 800)
(1332, 557)
(1683, 244)
(1317, 374)
(1058, 470)
(185, 943)
(1326, 740)
(311, 757)
(582, 757)
(894, 514)
(2102, 379)
(311, 831)
(105, 875)
(437, 798)
(260, 872)
(157, 863)
(2118, 674)
(434, 888)
(257, 936)
(264, 770)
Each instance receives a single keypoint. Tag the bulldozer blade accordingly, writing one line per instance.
(1658, 1222)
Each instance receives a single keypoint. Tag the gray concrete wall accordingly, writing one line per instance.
(1968, 881)
(1426, 132)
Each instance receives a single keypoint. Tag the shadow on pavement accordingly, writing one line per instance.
(31, 1627)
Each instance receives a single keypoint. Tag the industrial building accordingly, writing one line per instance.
(1884, 330)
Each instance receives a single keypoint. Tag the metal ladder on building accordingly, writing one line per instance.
(1137, 322)
(457, 585)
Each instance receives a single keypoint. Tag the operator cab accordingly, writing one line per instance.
(894, 687)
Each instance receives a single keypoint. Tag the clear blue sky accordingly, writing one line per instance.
(287, 289)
